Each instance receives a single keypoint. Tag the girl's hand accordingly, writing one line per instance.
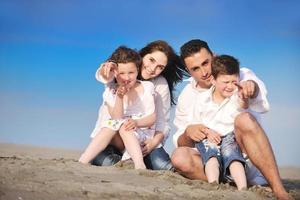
(213, 136)
(130, 124)
(147, 146)
(121, 91)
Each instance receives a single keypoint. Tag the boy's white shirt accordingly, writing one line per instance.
(162, 105)
(187, 100)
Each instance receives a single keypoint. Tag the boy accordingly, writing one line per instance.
(216, 110)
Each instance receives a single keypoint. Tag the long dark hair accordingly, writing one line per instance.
(174, 70)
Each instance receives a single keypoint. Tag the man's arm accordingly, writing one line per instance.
(193, 133)
(255, 89)
(188, 127)
(183, 112)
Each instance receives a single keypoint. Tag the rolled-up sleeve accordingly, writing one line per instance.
(259, 104)
(183, 112)
(162, 106)
(100, 78)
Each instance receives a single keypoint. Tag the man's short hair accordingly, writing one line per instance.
(193, 46)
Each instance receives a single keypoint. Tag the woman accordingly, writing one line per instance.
(163, 68)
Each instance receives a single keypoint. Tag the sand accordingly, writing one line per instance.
(28, 172)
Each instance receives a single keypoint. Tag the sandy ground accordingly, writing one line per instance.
(28, 172)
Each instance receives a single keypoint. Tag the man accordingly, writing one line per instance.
(252, 139)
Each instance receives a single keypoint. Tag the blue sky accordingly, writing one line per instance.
(50, 50)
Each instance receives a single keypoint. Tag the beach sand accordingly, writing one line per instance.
(28, 172)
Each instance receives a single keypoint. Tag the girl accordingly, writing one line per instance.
(130, 104)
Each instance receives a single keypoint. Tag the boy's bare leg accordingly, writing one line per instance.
(253, 141)
(187, 162)
(212, 170)
(238, 174)
(98, 144)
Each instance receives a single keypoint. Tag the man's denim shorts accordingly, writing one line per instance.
(226, 152)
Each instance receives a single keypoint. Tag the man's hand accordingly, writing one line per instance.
(248, 89)
(196, 132)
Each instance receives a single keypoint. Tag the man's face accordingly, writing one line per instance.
(199, 66)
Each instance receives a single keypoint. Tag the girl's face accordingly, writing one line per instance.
(153, 64)
(126, 74)
(225, 85)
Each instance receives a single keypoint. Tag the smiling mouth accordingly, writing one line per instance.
(206, 78)
(150, 73)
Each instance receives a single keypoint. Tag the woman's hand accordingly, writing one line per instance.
(130, 124)
(148, 146)
(109, 69)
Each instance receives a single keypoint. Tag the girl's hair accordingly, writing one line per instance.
(174, 70)
(124, 54)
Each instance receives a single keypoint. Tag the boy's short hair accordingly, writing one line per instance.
(193, 46)
(224, 65)
(124, 54)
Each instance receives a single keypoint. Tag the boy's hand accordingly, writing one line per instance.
(247, 89)
(213, 136)
(130, 124)
(109, 69)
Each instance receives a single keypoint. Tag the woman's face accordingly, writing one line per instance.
(153, 64)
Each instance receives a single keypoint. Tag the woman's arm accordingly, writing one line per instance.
(105, 73)
(147, 121)
(162, 106)
(151, 144)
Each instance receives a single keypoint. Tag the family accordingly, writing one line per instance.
(218, 136)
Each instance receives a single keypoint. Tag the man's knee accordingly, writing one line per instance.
(245, 122)
(181, 159)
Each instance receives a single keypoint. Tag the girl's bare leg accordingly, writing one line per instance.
(98, 144)
(133, 147)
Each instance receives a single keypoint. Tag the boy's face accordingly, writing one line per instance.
(153, 64)
(199, 66)
(225, 84)
(126, 74)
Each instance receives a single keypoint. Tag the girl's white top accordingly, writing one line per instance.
(162, 106)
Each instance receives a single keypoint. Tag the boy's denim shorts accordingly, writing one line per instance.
(227, 152)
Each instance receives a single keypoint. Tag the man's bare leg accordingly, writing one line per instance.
(253, 140)
(187, 162)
